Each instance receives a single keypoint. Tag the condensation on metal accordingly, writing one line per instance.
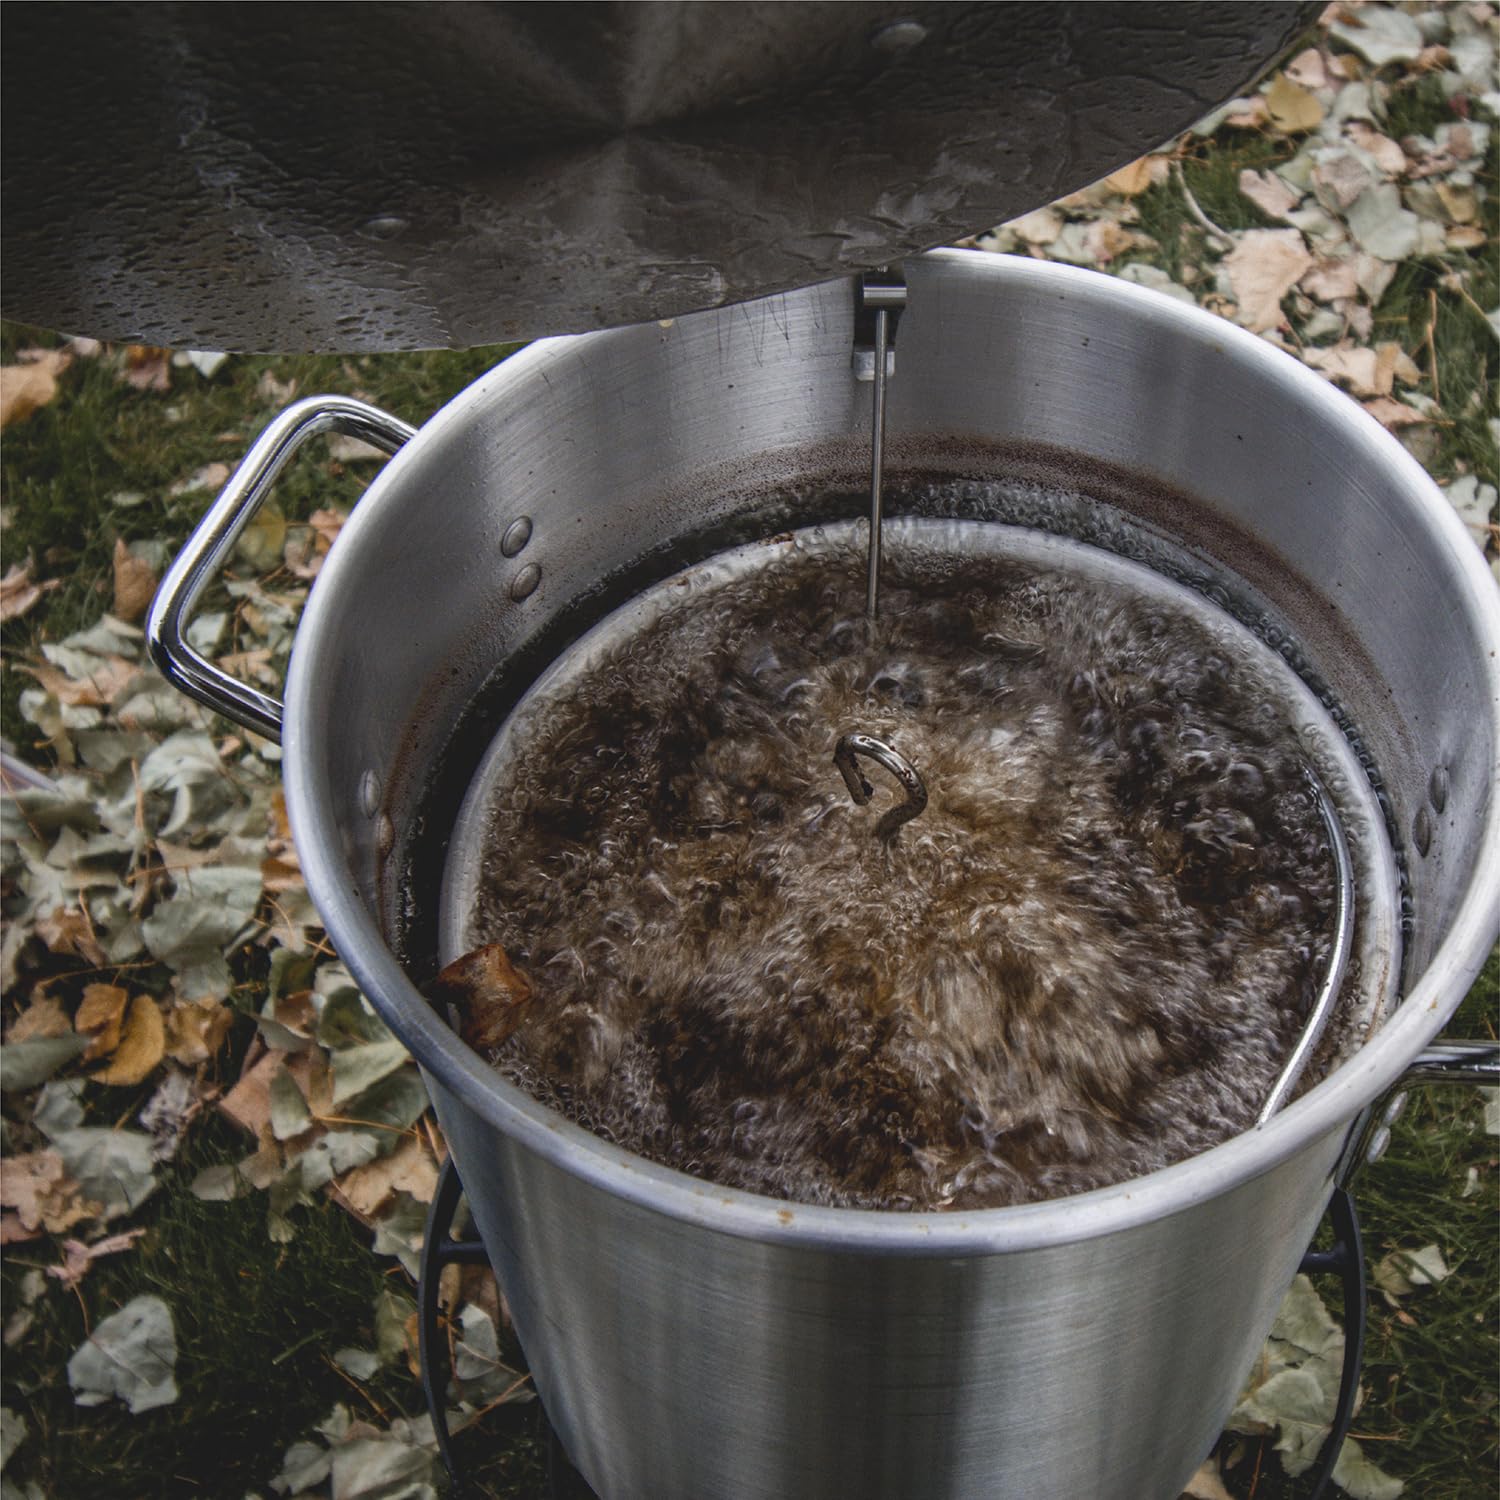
(317, 177)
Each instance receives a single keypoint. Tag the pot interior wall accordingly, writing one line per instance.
(639, 449)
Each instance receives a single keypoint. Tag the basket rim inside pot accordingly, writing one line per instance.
(1329, 1106)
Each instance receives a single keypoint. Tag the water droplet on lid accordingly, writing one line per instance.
(383, 227)
(899, 36)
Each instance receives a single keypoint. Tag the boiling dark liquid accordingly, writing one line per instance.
(1086, 959)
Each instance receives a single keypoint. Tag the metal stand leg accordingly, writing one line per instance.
(1347, 1261)
(432, 1349)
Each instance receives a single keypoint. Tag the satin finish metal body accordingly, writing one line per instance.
(696, 1342)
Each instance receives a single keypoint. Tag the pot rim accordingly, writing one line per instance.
(1331, 1105)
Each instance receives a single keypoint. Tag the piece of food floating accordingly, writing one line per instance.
(1086, 956)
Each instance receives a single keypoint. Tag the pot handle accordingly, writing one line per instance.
(1441, 1061)
(1456, 1062)
(215, 535)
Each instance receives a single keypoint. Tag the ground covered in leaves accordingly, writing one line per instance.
(216, 1160)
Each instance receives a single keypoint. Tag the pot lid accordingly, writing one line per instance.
(392, 176)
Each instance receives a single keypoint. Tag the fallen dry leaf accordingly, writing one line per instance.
(142, 1045)
(78, 1257)
(135, 583)
(489, 995)
(1331, 278)
(1308, 70)
(100, 1018)
(19, 594)
(1252, 117)
(37, 1186)
(147, 367)
(209, 477)
(1459, 203)
(1391, 413)
(1263, 267)
(1365, 371)
(1040, 227)
(1292, 109)
(26, 387)
(44, 1017)
(94, 691)
(1269, 193)
(196, 1029)
(1465, 237)
(1388, 156)
(68, 930)
(279, 392)
(1138, 175)
(409, 1169)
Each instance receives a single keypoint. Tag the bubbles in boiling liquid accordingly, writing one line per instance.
(1087, 958)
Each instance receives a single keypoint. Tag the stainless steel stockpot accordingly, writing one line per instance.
(696, 1342)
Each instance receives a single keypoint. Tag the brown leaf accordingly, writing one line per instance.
(1263, 267)
(26, 387)
(196, 1029)
(248, 1103)
(1292, 109)
(96, 690)
(101, 1017)
(147, 367)
(1138, 175)
(135, 583)
(44, 1017)
(68, 930)
(409, 1169)
(78, 1257)
(1105, 239)
(281, 873)
(1459, 203)
(18, 593)
(1465, 237)
(142, 1045)
(38, 1187)
(489, 995)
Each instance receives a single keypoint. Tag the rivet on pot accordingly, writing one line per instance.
(1379, 1141)
(523, 585)
(1396, 1108)
(385, 836)
(517, 534)
(1421, 831)
(1437, 788)
(369, 794)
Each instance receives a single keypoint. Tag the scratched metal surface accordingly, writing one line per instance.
(367, 177)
